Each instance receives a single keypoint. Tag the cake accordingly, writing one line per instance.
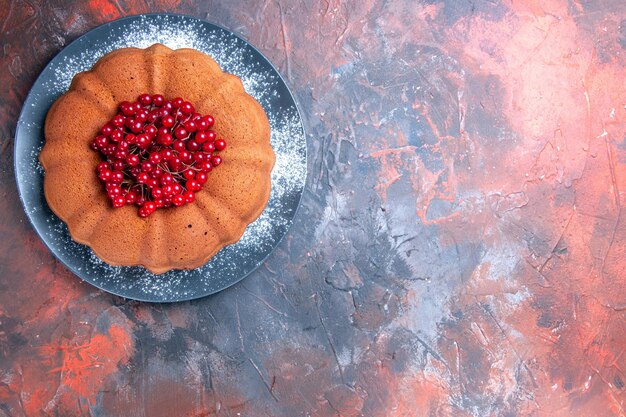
(210, 215)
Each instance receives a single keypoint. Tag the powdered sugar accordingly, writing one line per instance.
(260, 80)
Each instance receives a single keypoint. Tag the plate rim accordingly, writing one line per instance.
(54, 252)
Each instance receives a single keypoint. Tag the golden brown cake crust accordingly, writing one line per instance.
(177, 238)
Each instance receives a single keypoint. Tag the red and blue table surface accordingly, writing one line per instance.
(460, 248)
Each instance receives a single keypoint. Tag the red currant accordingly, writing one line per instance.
(209, 119)
(208, 147)
(167, 121)
(206, 166)
(220, 144)
(180, 132)
(187, 108)
(202, 177)
(216, 160)
(190, 197)
(119, 201)
(192, 145)
(178, 200)
(145, 99)
(158, 100)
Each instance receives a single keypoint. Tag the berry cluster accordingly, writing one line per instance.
(158, 153)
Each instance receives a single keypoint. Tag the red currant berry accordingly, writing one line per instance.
(155, 158)
(147, 209)
(135, 126)
(113, 189)
(202, 177)
(179, 146)
(126, 108)
(167, 121)
(190, 197)
(134, 171)
(178, 200)
(177, 102)
(158, 100)
(191, 126)
(102, 166)
(208, 147)
(180, 132)
(168, 189)
(119, 165)
(193, 185)
(107, 129)
(118, 120)
(187, 108)
(150, 130)
(175, 164)
(130, 197)
(145, 99)
(156, 192)
(101, 141)
(130, 138)
(152, 183)
(109, 149)
(199, 157)
(167, 179)
(167, 154)
(143, 178)
(202, 125)
(209, 119)
(153, 116)
(156, 173)
(165, 140)
(201, 137)
(185, 157)
(119, 201)
(141, 116)
(159, 203)
(206, 166)
(117, 176)
(220, 144)
(132, 160)
(216, 160)
(189, 174)
(192, 145)
(105, 174)
(143, 141)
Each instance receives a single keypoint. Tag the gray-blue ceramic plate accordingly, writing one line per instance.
(260, 79)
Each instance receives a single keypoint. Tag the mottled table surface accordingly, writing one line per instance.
(460, 249)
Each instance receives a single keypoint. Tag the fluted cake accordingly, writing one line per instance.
(81, 154)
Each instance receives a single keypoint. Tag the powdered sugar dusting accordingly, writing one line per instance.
(260, 80)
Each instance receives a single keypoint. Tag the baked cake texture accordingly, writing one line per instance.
(175, 238)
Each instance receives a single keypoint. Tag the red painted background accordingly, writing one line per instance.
(461, 245)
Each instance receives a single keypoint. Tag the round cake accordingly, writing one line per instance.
(232, 195)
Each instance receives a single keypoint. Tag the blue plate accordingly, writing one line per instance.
(260, 79)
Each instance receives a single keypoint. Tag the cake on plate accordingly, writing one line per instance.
(156, 157)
